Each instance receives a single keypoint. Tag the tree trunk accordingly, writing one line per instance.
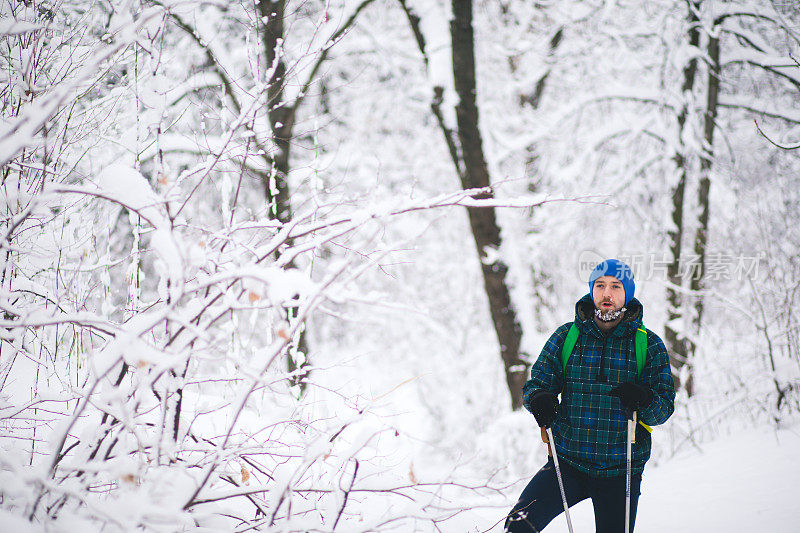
(535, 97)
(679, 346)
(276, 188)
(483, 222)
(438, 91)
(706, 161)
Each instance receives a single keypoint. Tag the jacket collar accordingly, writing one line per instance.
(631, 320)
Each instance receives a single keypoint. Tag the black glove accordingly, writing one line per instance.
(632, 396)
(544, 406)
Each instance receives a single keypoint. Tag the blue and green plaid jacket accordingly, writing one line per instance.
(591, 427)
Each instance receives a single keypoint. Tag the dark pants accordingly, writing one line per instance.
(540, 502)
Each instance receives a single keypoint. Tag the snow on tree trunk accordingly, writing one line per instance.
(483, 222)
(679, 346)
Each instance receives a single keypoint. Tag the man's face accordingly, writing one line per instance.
(608, 294)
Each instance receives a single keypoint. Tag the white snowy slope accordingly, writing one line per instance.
(748, 482)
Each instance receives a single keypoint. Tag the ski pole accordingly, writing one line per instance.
(558, 475)
(631, 438)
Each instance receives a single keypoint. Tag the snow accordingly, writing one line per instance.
(747, 482)
(741, 483)
(16, 27)
(18, 524)
(406, 394)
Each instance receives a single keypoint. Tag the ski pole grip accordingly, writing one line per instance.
(546, 440)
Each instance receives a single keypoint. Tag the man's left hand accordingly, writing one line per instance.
(632, 396)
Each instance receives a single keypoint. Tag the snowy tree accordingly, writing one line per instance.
(465, 145)
(193, 190)
(146, 296)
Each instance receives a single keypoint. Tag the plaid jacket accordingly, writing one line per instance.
(591, 427)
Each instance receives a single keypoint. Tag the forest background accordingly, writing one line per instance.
(284, 266)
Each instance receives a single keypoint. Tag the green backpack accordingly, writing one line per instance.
(640, 343)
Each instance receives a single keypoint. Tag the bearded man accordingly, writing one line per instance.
(602, 377)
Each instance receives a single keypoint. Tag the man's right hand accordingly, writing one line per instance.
(544, 406)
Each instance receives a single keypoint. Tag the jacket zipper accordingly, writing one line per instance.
(601, 376)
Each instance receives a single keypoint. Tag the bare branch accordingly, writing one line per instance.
(782, 147)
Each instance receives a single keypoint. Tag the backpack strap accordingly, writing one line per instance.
(569, 344)
(640, 342)
(640, 347)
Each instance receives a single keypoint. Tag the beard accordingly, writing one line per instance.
(610, 315)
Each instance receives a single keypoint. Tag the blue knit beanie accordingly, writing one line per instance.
(618, 269)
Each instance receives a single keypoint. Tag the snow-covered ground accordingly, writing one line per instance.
(749, 482)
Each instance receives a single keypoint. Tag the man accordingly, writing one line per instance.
(600, 386)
